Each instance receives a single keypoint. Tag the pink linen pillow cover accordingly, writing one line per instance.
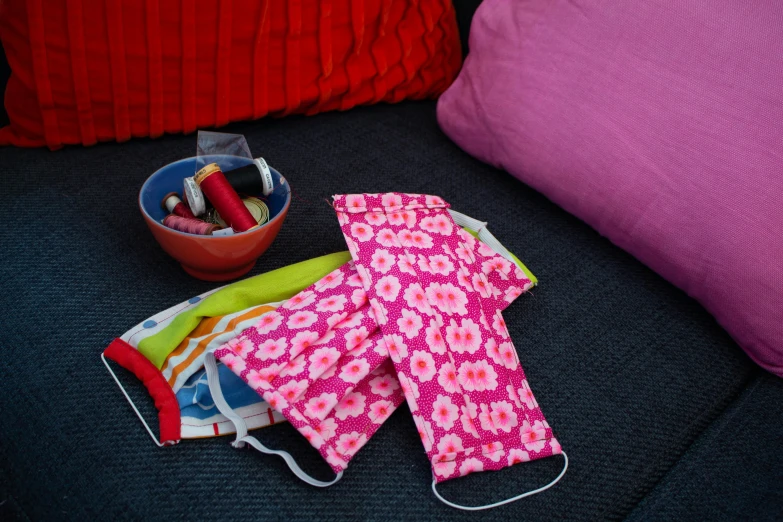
(659, 124)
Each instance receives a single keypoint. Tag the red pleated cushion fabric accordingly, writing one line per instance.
(85, 71)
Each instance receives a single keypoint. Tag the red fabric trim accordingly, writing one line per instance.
(35, 20)
(81, 86)
(119, 78)
(223, 76)
(188, 28)
(165, 401)
(155, 69)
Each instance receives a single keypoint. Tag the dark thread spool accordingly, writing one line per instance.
(173, 204)
(190, 225)
(215, 186)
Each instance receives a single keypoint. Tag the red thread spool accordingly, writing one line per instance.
(215, 186)
(190, 225)
(173, 204)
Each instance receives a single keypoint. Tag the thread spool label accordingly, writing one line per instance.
(204, 173)
(195, 197)
(223, 232)
(266, 175)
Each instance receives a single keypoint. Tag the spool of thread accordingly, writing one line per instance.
(252, 180)
(190, 225)
(173, 204)
(215, 186)
(256, 207)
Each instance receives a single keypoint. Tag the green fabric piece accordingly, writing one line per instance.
(519, 263)
(270, 287)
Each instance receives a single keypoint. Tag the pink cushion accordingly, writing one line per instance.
(659, 125)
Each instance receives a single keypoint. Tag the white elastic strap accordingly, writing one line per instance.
(138, 414)
(508, 500)
(483, 234)
(213, 379)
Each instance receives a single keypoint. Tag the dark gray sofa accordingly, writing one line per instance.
(662, 415)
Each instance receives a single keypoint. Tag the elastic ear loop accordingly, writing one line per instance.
(508, 500)
(213, 379)
(480, 227)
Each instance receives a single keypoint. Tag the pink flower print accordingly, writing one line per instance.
(435, 339)
(354, 280)
(360, 348)
(271, 349)
(302, 341)
(467, 238)
(350, 443)
(382, 260)
(391, 200)
(387, 238)
(493, 451)
(409, 387)
(352, 321)
(404, 264)
(428, 224)
(329, 373)
(447, 377)
(420, 239)
(331, 280)
(465, 254)
(354, 371)
(493, 351)
(499, 324)
(478, 376)
(465, 338)
(293, 389)
(464, 279)
(352, 405)
(481, 285)
(526, 394)
(512, 394)
(334, 458)
(275, 400)
(355, 337)
(409, 324)
(333, 303)
(293, 367)
(319, 407)
(240, 347)
(342, 218)
(515, 456)
(327, 429)
(455, 298)
(259, 379)
(444, 413)
(234, 363)
(334, 320)
(388, 287)
(380, 411)
(395, 347)
(384, 385)
(311, 436)
(437, 297)
(509, 355)
(485, 417)
(440, 264)
(444, 468)
(375, 218)
(483, 320)
(321, 360)
(396, 218)
(467, 416)
(450, 443)
(425, 431)
(556, 448)
(416, 298)
(469, 466)
(301, 319)
(405, 237)
(300, 300)
(503, 416)
(498, 264)
(359, 297)
(431, 201)
(485, 250)
(355, 201)
(422, 365)
(294, 413)
(442, 225)
(533, 436)
(512, 292)
(424, 264)
(268, 322)
(379, 312)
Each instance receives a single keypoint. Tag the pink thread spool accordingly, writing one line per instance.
(190, 225)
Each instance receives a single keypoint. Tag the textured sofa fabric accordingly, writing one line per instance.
(660, 412)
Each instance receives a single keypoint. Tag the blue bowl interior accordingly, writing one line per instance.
(169, 179)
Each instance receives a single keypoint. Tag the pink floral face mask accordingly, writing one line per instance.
(426, 294)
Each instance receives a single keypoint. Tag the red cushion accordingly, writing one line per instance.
(84, 72)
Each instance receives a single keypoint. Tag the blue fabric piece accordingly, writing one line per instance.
(195, 400)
